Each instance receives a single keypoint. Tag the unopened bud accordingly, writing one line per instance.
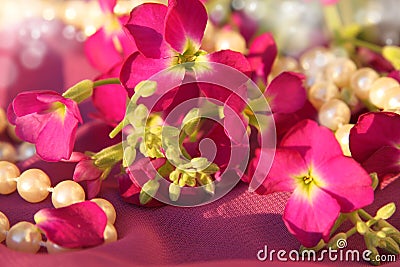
(386, 211)
(174, 192)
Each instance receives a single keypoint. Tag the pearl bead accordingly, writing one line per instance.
(232, 40)
(322, 92)
(284, 64)
(33, 185)
(107, 207)
(3, 120)
(67, 193)
(4, 226)
(334, 113)
(392, 99)
(340, 71)
(316, 59)
(8, 152)
(24, 237)
(361, 81)
(208, 43)
(342, 135)
(26, 150)
(54, 248)
(8, 173)
(379, 89)
(110, 234)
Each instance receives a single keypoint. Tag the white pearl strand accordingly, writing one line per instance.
(34, 186)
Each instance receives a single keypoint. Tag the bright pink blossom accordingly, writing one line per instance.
(323, 182)
(48, 120)
(85, 170)
(76, 226)
(375, 143)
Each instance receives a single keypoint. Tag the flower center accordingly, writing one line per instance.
(307, 179)
(58, 108)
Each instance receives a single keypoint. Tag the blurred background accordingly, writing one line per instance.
(41, 41)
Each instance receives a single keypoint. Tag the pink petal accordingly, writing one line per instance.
(315, 143)
(395, 75)
(310, 220)
(78, 225)
(247, 26)
(93, 188)
(286, 93)
(29, 127)
(57, 137)
(185, 22)
(85, 170)
(346, 181)
(27, 102)
(107, 5)
(385, 162)
(110, 100)
(262, 54)
(138, 68)
(287, 165)
(97, 46)
(373, 131)
(146, 25)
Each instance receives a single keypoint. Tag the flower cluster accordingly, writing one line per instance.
(195, 121)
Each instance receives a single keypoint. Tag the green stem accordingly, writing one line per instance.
(370, 46)
(365, 215)
(117, 129)
(106, 82)
(342, 218)
(109, 156)
(332, 18)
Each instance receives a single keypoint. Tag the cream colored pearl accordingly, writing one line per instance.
(361, 82)
(54, 248)
(67, 193)
(315, 59)
(342, 135)
(8, 152)
(334, 114)
(379, 89)
(107, 207)
(110, 234)
(33, 185)
(232, 40)
(340, 71)
(24, 237)
(322, 92)
(26, 150)
(4, 226)
(3, 120)
(284, 64)
(208, 42)
(8, 173)
(391, 100)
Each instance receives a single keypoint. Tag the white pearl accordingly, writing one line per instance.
(67, 193)
(284, 64)
(4, 226)
(33, 185)
(107, 207)
(24, 237)
(322, 92)
(226, 39)
(316, 58)
(334, 114)
(208, 42)
(110, 234)
(391, 101)
(342, 135)
(54, 248)
(361, 82)
(340, 71)
(3, 120)
(379, 88)
(8, 173)
(8, 152)
(26, 150)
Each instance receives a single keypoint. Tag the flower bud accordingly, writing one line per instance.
(362, 228)
(80, 91)
(386, 211)
(174, 192)
(146, 88)
(148, 191)
(389, 245)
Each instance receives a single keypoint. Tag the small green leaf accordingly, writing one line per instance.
(392, 54)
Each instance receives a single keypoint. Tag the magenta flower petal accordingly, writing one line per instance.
(339, 181)
(85, 170)
(138, 68)
(395, 75)
(146, 25)
(286, 93)
(185, 24)
(76, 226)
(286, 164)
(385, 162)
(306, 137)
(262, 54)
(309, 220)
(373, 131)
(110, 100)
(107, 5)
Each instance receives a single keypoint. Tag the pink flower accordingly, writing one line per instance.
(170, 35)
(85, 170)
(48, 120)
(375, 143)
(109, 45)
(323, 182)
(76, 226)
